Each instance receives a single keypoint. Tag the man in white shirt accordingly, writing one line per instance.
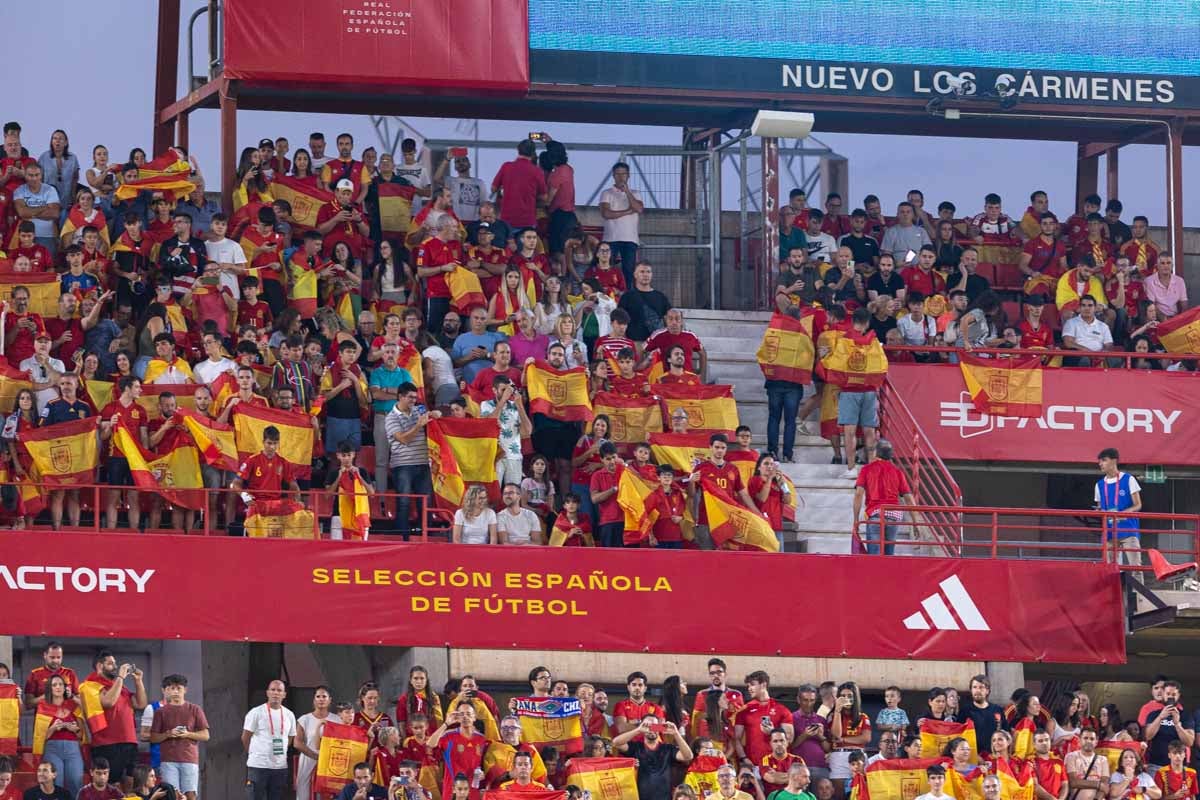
(821, 246)
(227, 253)
(466, 193)
(1085, 332)
(413, 172)
(211, 368)
(888, 747)
(622, 209)
(936, 775)
(266, 733)
(43, 370)
(517, 525)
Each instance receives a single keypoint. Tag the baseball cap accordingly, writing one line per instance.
(267, 143)
(1034, 300)
(43, 334)
(344, 183)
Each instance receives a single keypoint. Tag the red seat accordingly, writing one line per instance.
(1164, 570)
(1050, 316)
(1012, 312)
(987, 272)
(1008, 276)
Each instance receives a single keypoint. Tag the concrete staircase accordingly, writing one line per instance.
(823, 518)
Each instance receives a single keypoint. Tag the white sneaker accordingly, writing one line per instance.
(851, 473)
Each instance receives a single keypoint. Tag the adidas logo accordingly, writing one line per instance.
(939, 613)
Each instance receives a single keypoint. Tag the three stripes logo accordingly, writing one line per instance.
(950, 609)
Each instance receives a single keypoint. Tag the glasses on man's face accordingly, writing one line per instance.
(713, 672)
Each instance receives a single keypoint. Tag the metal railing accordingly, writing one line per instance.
(1104, 359)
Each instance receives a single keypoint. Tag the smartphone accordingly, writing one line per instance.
(536, 136)
(420, 409)
(210, 280)
(458, 152)
(660, 729)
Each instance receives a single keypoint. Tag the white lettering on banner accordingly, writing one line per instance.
(43, 578)
(969, 422)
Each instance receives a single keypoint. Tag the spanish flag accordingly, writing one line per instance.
(184, 397)
(1112, 751)
(93, 710)
(961, 786)
(95, 393)
(935, 735)
(77, 222)
(410, 360)
(746, 461)
(395, 209)
(560, 534)
(559, 394)
(295, 435)
(1022, 733)
(604, 778)
(491, 730)
(279, 519)
(171, 184)
(786, 352)
(710, 407)
(680, 450)
(462, 452)
(466, 292)
(174, 474)
(729, 522)
(306, 200)
(701, 774)
(631, 419)
(499, 757)
(1181, 333)
(65, 453)
(553, 721)
(10, 718)
(854, 366)
(302, 290)
(215, 442)
(1016, 779)
(43, 289)
(894, 778)
(46, 714)
(1004, 387)
(342, 746)
(12, 381)
(354, 507)
(829, 411)
(632, 490)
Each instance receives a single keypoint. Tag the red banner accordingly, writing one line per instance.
(1142, 413)
(368, 44)
(498, 597)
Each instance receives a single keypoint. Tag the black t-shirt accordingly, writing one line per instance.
(987, 721)
(882, 326)
(1156, 753)
(654, 769)
(891, 286)
(344, 404)
(647, 310)
(864, 248)
(976, 284)
(36, 793)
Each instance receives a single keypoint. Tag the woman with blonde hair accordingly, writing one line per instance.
(564, 334)
(475, 522)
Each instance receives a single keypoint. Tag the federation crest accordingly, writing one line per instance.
(910, 788)
(60, 458)
(695, 414)
(619, 428)
(856, 361)
(770, 346)
(935, 305)
(339, 760)
(997, 387)
(557, 389)
(610, 788)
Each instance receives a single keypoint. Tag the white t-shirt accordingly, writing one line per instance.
(913, 332)
(821, 247)
(40, 374)
(1090, 337)
(1134, 486)
(622, 229)
(227, 251)
(519, 527)
(208, 370)
(443, 367)
(271, 732)
(417, 176)
(475, 531)
(465, 196)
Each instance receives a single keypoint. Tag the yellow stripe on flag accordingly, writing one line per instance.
(710, 407)
(93, 710)
(44, 290)
(12, 381)
(395, 209)
(632, 491)
(604, 778)
(935, 735)
(855, 366)
(279, 519)
(631, 419)
(466, 292)
(1004, 387)
(175, 474)
(305, 200)
(295, 435)
(680, 450)
(65, 453)
(1181, 333)
(342, 746)
(462, 452)
(10, 719)
(354, 508)
(731, 523)
(215, 441)
(786, 352)
(559, 394)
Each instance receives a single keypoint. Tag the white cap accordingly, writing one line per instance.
(345, 183)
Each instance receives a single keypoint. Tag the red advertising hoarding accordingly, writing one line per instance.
(218, 588)
(1144, 414)
(480, 44)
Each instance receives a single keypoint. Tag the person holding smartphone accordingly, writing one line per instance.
(362, 787)
(178, 726)
(662, 744)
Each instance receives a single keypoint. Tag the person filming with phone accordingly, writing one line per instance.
(656, 745)
(363, 788)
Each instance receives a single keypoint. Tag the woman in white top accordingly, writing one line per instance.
(308, 740)
(95, 177)
(1066, 719)
(1131, 779)
(564, 334)
(550, 307)
(475, 522)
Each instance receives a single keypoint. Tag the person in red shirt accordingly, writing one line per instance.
(437, 256)
(245, 394)
(726, 476)
(251, 310)
(520, 185)
(1177, 781)
(486, 260)
(756, 720)
(66, 329)
(1126, 294)
(603, 487)
(1076, 228)
(612, 280)
(628, 714)
(1094, 244)
(767, 486)
(669, 501)
(1035, 333)
(627, 381)
(263, 247)
(266, 474)
(481, 388)
(207, 299)
(880, 483)
(921, 278)
(1043, 258)
(124, 410)
(20, 326)
(674, 335)
(1141, 250)
(1049, 770)
(835, 223)
(52, 664)
(342, 220)
(774, 765)
(534, 266)
(98, 789)
(345, 168)
(608, 346)
(678, 374)
(117, 740)
(39, 257)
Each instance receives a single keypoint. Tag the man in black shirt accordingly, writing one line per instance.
(654, 756)
(1118, 232)
(987, 716)
(886, 280)
(45, 789)
(797, 279)
(964, 277)
(647, 307)
(183, 255)
(864, 248)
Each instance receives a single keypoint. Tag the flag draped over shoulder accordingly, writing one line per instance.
(12, 381)
(354, 507)
(174, 474)
(730, 522)
(855, 366)
(462, 452)
(395, 209)
(701, 774)
(631, 419)
(306, 200)
(214, 440)
(897, 778)
(10, 718)
(46, 714)
(559, 394)
(93, 711)
(746, 461)
(44, 290)
(279, 519)
(632, 490)
(65, 453)
(342, 746)
(1181, 333)
(935, 735)
(466, 292)
(710, 407)
(1004, 387)
(786, 352)
(553, 721)
(1022, 733)
(1113, 750)
(604, 778)
(295, 435)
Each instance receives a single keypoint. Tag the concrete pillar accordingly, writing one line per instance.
(1087, 169)
(344, 668)
(225, 701)
(835, 177)
(391, 666)
(6, 654)
(1006, 678)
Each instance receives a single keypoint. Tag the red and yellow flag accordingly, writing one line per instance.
(215, 442)
(701, 774)
(395, 209)
(174, 474)
(342, 746)
(184, 397)
(1112, 751)
(632, 490)
(65, 453)
(499, 757)
(171, 185)
(93, 710)
(1181, 333)
(295, 435)
(466, 292)
(1004, 387)
(935, 735)
(75, 222)
(354, 507)
(94, 392)
(302, 289)
(855, 366)
(894, 778)
(1022, 733)
(279, 519)
(462, 452)
(46, 714)
(44, 290)
(680, 450)
(559, 394)
(631, 419)
(410, 360)
(604, 778)
(306, 200)
(710, 407)
(730, 522)
(652, 372)
(555, 721)
(12, 381)
(1016, 779)
(786, 352)
(10, 718)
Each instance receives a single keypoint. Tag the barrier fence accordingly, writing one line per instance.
(1114, 359)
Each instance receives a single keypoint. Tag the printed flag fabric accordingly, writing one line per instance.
(701, 774)
(1004, 387)
(44, 290)
(279, 519)
(395, 209)
(555, 721)
(632, 490)
(46, 714)
(174, 474)
(12, 381)
(731, 523)
(498, 760)
(1180, 333)
(302, 290)
(65, 453)
(963, 787)
(172, 186)
(10, 718)
(410, 360)
(354, 509)
(604, 778)
(559, 394)
(214, 440)
(1016, 779)
(94, 392)
(786, 352)
(93, 711)
(745, 461)
(631, 419)
(342, 746)
(306, 200)
(462, 452)
(855, 366)
(295, 435)
(1022, 733)
(897, 779)
(710, 407)
(935, 735)
(184, 399)
(1113, 750)
(76, 222)
(680, 450)
(466, 292)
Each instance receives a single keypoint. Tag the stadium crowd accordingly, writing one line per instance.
(686, 745)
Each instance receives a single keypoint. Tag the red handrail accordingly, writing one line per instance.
(1008, 352)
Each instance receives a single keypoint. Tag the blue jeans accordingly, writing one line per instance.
(870, 535)
(783, 402)
(627, 252)
(68, 763)
(265, 784)
(409, 479)
(586, 506)
(338, 430)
